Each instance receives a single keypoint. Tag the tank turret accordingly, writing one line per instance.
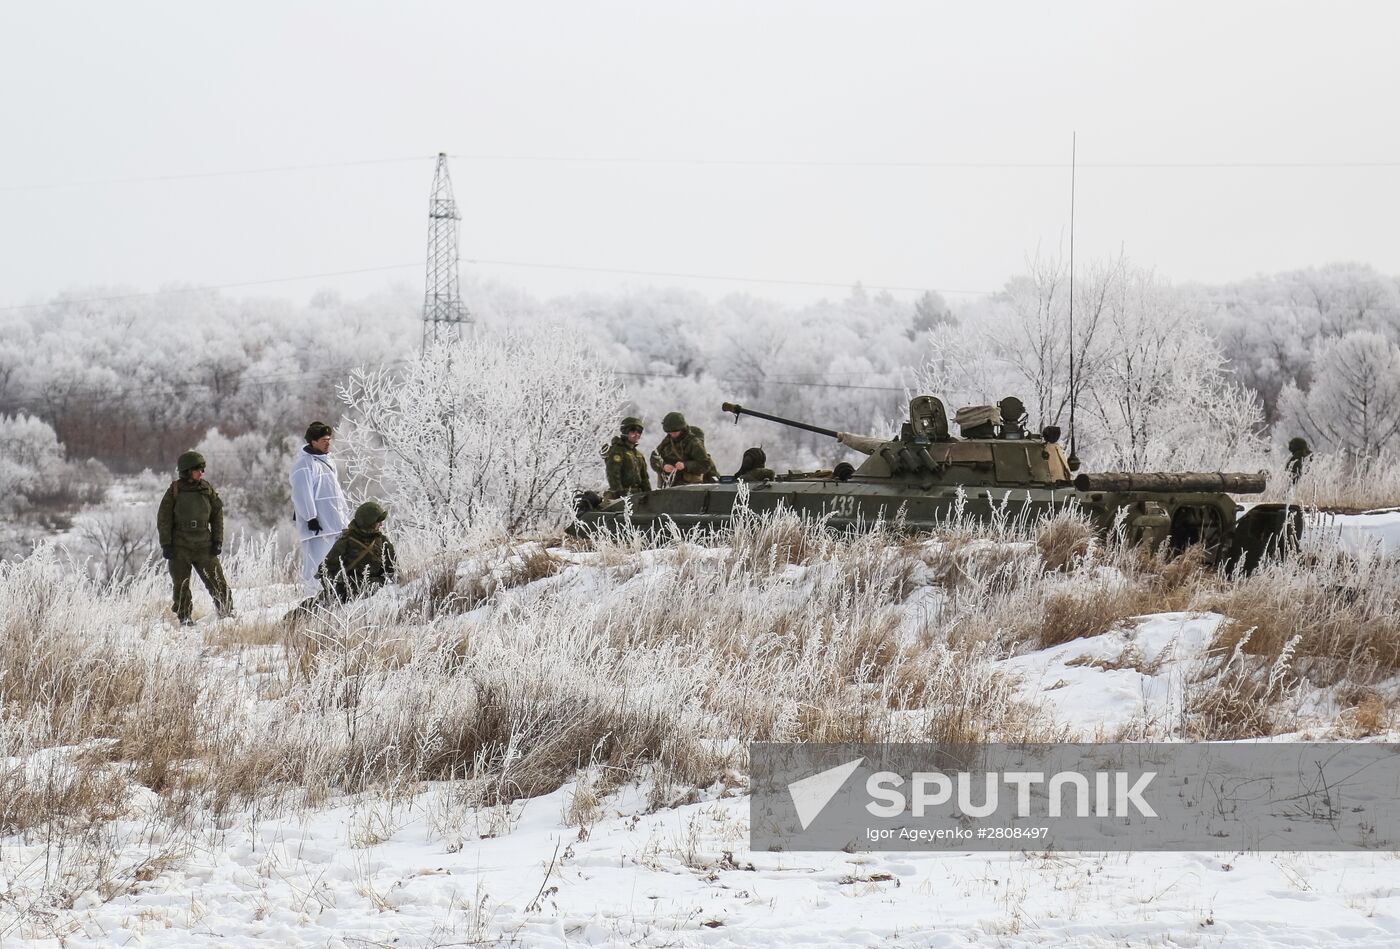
(995, 449)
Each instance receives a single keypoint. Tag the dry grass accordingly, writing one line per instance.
(1338, 609)
(1336, 482)
(1065, 540)
(69, 795)
(1235, 703)
(521, 669)
(1366, 713)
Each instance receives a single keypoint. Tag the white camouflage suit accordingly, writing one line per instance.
(316, 494)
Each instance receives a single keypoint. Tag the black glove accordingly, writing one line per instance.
(167, 552)
(214, 548)
(314, 524)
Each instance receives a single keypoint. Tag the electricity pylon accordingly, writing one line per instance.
(443, 310)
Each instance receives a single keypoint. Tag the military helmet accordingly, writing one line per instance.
(631, 422)
(317, 431)
(753, 458)
(673, 422)
(1298, 446)
(369, 514)
(189, 461)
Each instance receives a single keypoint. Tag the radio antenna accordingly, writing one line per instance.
(1073, 392)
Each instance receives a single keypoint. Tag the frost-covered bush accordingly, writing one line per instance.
(31, 461)
(117, 541)
(490, 434)
(39, 488)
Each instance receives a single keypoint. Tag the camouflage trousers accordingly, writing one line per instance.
(212, 575)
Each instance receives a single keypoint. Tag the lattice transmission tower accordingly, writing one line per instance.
(443, 309)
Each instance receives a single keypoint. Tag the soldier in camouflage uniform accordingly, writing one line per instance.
(1298, 452)
(681, 457)
(191, 526)
(627, 468)
(362, 560)
(753, 467)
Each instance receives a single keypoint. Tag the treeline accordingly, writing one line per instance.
(133, 381)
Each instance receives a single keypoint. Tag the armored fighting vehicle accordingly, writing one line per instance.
(993, 469)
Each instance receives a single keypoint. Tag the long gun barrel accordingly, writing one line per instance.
(865, 444)
(739, 410)
(1233, 482)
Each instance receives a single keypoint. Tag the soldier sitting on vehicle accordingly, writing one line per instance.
(752, 468)
(362, 560)
(190, 522)
(681, 457)
(627, 468)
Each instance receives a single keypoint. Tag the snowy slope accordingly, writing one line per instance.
(683, 877)
(424, 869)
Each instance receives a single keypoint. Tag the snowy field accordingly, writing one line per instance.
(622, 850)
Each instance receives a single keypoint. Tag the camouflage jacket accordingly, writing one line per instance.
(690, 449)
(757, 474)
(627, 469)
(191, 516)
(360, 561)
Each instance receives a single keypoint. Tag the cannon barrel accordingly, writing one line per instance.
(738, 410)
(1232, 482)
(866, 444)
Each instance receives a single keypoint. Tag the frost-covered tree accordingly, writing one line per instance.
(1272, 327)
(1353, 405)
(117, 541)
(1152, 387)
(1018, 342)
(31, 461)
(489, 434)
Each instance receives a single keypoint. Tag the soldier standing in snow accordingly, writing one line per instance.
(318, 501)
(681, 457)
(627, 469)
(1298, 452)
(191, 526)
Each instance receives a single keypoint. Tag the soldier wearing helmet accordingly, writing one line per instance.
(191, 526)
(754, 466)
(627, 469)
(681, 457)
(1298, 452)
(362, 560)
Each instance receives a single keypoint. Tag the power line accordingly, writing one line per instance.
(187, 176)
(695, 162)
(701, 276)
(822, 163)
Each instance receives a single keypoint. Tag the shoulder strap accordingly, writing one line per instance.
(366, 550)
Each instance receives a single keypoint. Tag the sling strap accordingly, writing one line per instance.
(365, 551)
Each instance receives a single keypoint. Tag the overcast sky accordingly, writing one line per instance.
(734, 107)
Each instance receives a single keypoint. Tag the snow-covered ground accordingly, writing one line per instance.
(375, 874)
(426, 869)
